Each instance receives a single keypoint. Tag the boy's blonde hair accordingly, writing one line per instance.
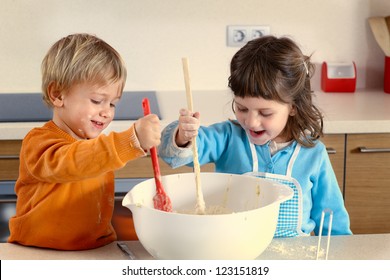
(81, 58)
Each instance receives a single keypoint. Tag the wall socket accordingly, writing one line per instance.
(239, 35)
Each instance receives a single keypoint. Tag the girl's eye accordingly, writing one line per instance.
(265, 114)
(112, 105)
(241, 109)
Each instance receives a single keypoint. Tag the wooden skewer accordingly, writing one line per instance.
(200, 207)
(329, 232)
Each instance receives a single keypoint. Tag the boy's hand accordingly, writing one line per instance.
(188, 127)
(148, 131)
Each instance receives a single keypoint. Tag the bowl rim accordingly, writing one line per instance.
(140, 205)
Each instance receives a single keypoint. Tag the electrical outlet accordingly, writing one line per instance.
(239, 35)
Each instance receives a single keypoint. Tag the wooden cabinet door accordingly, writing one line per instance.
(367, 186)
(9, 159)
(335, 144)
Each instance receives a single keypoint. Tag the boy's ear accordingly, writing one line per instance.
(55, 95)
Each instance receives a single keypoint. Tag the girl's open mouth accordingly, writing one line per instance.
(256, 133)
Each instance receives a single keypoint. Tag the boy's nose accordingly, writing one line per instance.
(107, 112)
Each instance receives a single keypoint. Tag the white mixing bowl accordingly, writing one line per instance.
(243, 234)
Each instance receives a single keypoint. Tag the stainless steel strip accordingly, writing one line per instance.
(7, 200)
(331, 150)
(9, 156)
(374, 150)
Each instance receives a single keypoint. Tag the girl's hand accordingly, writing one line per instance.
(148, 131)
(188, 127)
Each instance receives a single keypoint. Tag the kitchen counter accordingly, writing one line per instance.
(365, 111)
(355, 247)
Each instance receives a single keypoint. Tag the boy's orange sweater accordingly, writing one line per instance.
(65, 189)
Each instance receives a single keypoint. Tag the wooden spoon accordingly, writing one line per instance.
(161, 200)
(381, 33)
(200, 204)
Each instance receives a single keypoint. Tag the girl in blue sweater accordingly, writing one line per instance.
(275, 135)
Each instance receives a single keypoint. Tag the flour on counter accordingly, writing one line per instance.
(301, 253)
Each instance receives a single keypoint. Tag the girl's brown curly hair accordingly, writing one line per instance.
(275, 69)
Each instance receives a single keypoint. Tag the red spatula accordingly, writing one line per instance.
(161, 200)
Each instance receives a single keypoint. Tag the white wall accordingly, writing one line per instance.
(153, 35)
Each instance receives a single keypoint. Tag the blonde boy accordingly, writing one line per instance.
(65, 187)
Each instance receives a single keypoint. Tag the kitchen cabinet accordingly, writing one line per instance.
(361, 163)
(335, 145)
(367, 184)
(9, 159)
(9, 167)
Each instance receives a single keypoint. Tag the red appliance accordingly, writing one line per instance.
(338, 77)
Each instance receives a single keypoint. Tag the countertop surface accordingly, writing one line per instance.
(364, 111)
(355, 247)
